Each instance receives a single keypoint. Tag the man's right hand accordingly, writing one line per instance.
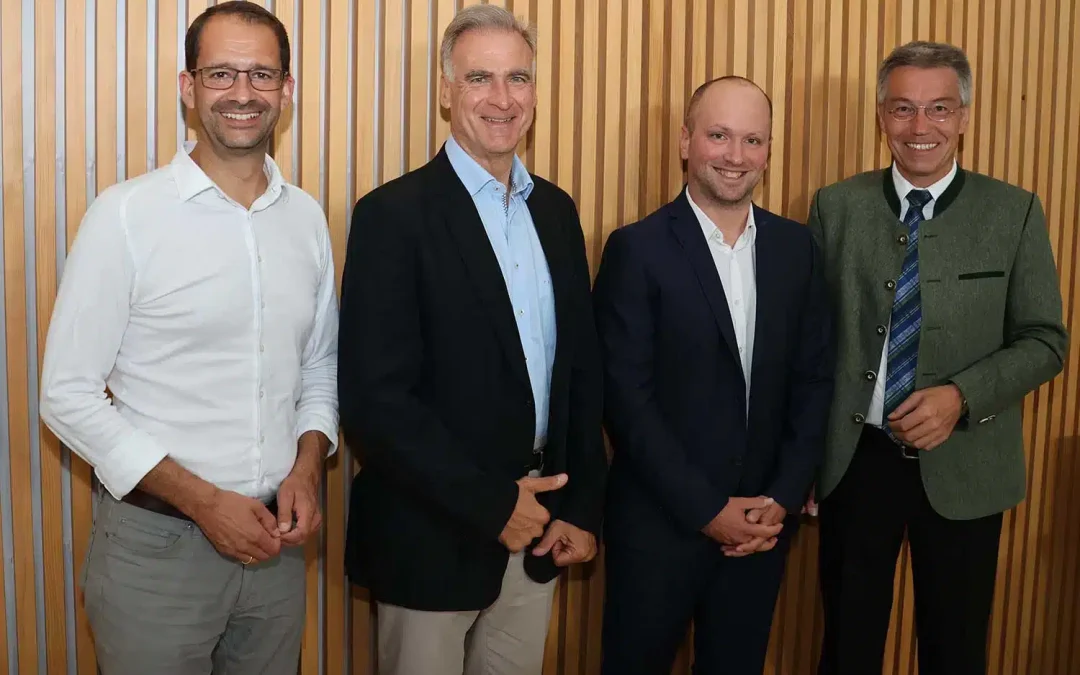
(239, 527)
(730, 527)
(529, 518)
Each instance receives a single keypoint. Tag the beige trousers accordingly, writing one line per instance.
(507, 638)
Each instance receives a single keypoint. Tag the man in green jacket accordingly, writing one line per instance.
(948, 313)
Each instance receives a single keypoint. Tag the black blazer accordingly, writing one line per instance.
(675, 402)
(435, 395)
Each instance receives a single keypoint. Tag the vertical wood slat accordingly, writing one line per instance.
(309, 46)
(76, 33)
(136, 69)
(15, 262)
(336, 632)
(45, 184)
(9, 33)
(168, 96)
(612, 82)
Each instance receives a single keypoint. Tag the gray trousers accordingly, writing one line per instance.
(162, 600)
(504, 639)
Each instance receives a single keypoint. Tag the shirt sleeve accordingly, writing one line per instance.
(85, 334)
(317, 409)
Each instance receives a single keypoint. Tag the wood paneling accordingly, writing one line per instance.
(613, 77)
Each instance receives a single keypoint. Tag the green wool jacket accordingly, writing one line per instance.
(991, 324)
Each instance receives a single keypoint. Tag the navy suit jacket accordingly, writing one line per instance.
(675, 401)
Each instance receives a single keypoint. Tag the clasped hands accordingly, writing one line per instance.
(747, 525)
(567, 543)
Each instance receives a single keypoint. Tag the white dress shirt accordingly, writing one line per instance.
(736, 265)
(903, 187)
(213, 326)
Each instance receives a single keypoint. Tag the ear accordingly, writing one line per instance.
(444, 91)
(881, 118)
(684, 143)
(186, 83)
(965, 114)
(287, 89)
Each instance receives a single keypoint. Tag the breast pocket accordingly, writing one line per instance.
(988, 274)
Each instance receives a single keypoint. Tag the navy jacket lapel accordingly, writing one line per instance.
(684, 224)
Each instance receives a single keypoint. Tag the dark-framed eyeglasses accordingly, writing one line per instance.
(936, 112)
(223, 77)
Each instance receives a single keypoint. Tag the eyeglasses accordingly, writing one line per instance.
(262, 79)
(936, 112)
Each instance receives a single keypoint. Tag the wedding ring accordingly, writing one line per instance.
(250, 558)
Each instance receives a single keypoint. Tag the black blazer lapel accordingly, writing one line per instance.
(688, 232)
(462, 219)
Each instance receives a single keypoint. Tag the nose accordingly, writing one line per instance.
(733, 153)
(920, 124)
(241, 90)
(500, 94)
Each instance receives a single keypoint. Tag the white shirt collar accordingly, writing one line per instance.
(904, 186)
(191, 180)
(711, 231)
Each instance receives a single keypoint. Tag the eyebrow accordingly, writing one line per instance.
(257, 66)
(714, 128)
(487, 73)
(903, 99)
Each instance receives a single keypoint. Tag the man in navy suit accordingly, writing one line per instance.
(718, 360)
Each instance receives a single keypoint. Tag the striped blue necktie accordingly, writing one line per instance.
(906, 315)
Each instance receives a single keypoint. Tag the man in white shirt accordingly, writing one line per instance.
(717, 349)
(201, 295)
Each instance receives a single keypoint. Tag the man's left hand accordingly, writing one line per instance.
(568, 544)
(298, 513)
(927, 418)
(770, 515)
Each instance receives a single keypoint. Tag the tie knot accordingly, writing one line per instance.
(919, 198)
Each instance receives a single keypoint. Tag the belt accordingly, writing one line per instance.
(906, 451)
(536, 462)
(147, 501)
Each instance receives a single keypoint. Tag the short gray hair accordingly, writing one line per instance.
(927, 55)
(482, 17)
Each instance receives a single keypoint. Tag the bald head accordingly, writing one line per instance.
(725, 142)
(743, 90)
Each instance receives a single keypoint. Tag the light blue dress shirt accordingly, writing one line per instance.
(524, 267)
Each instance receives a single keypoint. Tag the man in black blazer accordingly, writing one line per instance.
(718, 362)
(470, 380)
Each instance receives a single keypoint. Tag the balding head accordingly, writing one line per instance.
(725, 141)
(721, 86)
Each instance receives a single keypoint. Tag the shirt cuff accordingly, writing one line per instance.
(316, 422)
(128, 463)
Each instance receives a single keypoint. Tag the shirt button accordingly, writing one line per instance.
(890, 285)
(262, 349)
(262, 439)
(259, 257)
(262, 394)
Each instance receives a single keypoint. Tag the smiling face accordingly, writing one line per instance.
(238, 120)
(923, 149)
(492, 97)
(726, 143)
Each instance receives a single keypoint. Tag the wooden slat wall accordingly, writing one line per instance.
(613, 77)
